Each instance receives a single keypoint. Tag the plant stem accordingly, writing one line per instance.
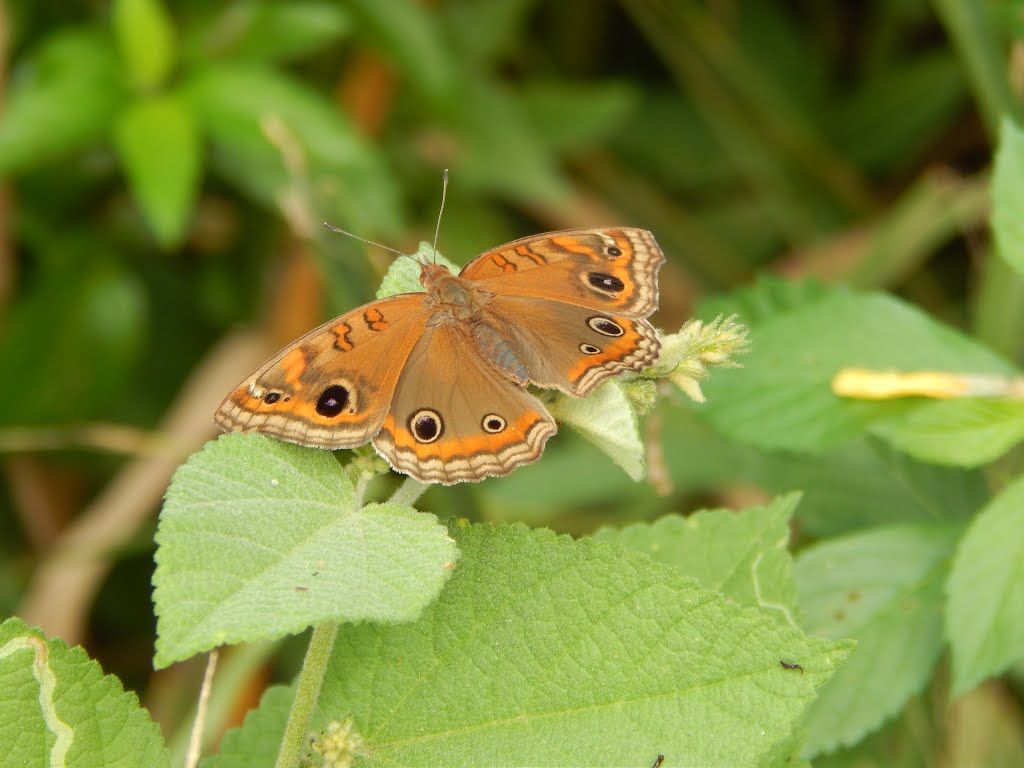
(195, 744)
(408, 492)
(307, 691)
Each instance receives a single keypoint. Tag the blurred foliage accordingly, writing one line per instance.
(165, 168)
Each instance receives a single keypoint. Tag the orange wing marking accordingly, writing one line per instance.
(536, 258)
(342, 330)
(502, 263)
(375, 320)
(573, 245)
(294, 364)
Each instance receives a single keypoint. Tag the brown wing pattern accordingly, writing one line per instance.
(614, 268)
(332, 387)
(454, 419)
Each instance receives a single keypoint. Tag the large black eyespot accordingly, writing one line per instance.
(605, 282)
(589, 349)
(606, 326)
(426, 425)
(614, 251)
(271, 397)
(493, 423)
(332, 401)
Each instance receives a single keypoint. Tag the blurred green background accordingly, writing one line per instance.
(166, 167)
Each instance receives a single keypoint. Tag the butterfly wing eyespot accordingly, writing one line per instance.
(337, 399)
(492, 423)
(606, 326)
(426, 425)
(601, 281)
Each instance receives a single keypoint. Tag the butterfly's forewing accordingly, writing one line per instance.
(614, 269)
(331, 388)
(455, 418)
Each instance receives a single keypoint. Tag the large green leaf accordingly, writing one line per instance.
(741, 554)
(782, 398)
(963, 432)
(882, 588)
(261, 30)
(147, 40)
(547, 651)
(859, 484)
(339, 176)
(65, 100)
(158, 142)
(1008, 195)
(985, 621)
(260, 538)
(411, 36)
(58, 708)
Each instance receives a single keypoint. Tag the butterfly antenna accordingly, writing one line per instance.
(444, 194)
(341, 231)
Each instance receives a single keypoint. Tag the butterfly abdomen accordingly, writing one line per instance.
(500, 352)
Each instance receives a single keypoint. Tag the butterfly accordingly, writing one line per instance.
(437, 379)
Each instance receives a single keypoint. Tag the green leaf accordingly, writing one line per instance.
(344, 176)
(1008, 195)
(572, 115)
(411, 36)
(63, 101)
(484, 35)
(741, 554)
(985, 621)
(260, 538)
(883, 588)
(58, 708)
(782, 397)
(257, 741)
(158, 142)
(607, 419)
(965, 432)
(547, 651)
(860, 484)
(95, 313)
(500, 150)
(147, 40)
(268, 31)
(932, 81)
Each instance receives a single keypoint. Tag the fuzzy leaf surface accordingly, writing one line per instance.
(259, 538)
(58, 708)
(741, 554)
(546, 651)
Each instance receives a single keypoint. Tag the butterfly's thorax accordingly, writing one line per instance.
(462, 302)
(451, 295)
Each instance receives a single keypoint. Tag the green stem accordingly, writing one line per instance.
(970, 28)
(307, 691)
(408, 492)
